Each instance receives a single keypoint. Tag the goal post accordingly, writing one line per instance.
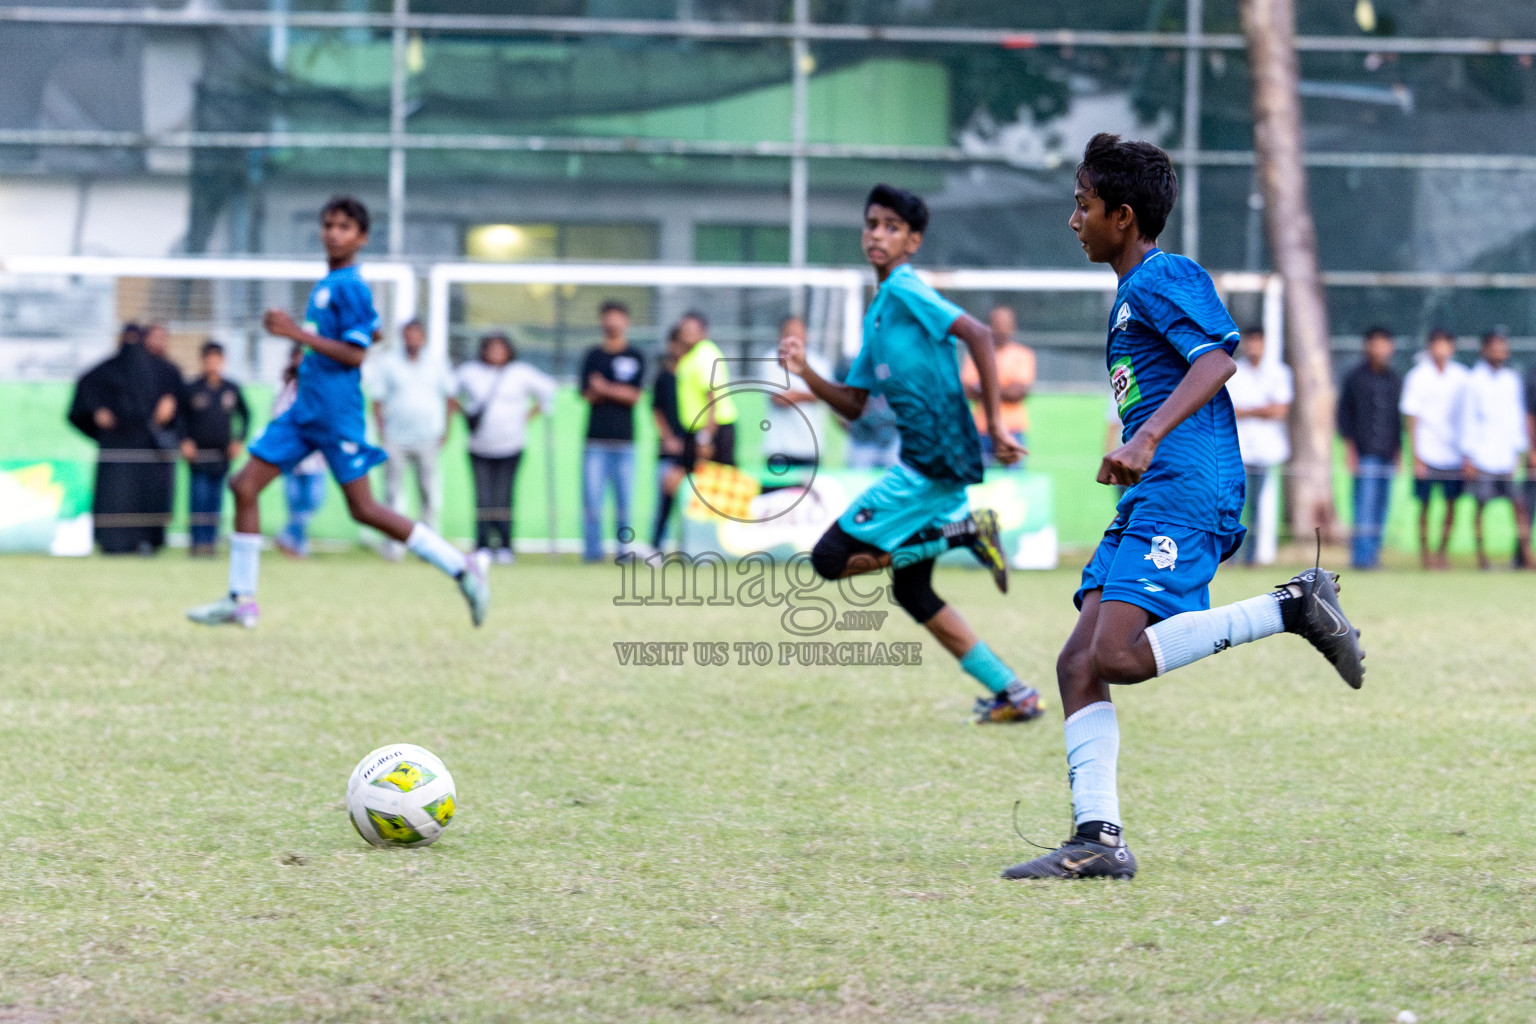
(58, 314)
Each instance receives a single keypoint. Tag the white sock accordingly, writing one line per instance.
(244, 563)
(1190, 636)
(1093, 752)
(428, 545)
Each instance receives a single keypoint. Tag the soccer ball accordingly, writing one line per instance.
(400, 795)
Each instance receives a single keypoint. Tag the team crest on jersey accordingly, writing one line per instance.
(883, 371)
(322, 298)
(626, 367)
(1122, 315)
(1164, 552)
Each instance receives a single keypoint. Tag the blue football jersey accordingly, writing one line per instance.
(1166, 315)
(340, 308)
(909, 357)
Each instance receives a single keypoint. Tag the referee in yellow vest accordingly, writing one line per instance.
(709, 423)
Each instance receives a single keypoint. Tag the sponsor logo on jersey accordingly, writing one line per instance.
(1122, 378)
(1164, 552)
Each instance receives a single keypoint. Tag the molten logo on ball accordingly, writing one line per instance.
(401, 795)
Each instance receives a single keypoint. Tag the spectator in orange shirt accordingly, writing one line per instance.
(1015, 376)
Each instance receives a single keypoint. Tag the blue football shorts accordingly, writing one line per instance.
(1162, 567)
(899, 504)
(286, 443)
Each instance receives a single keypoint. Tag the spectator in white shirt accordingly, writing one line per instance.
(412, 400)
(499, 395)
(1491, 425)
(1261, 396)
(1431, 397)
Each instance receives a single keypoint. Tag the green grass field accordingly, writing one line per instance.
(761, 844)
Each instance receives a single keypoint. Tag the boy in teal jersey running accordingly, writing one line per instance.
(919, 509)
(327, 416)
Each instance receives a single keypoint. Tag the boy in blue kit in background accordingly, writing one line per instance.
(919, 509)
(327, 416)
(1145, 601)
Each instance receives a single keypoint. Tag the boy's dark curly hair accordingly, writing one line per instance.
(1134, 174)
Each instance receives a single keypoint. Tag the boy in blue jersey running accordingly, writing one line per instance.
(1144, 602)
(919, 509)
(327, 416)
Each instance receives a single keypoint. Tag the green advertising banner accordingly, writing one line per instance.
(45, 506)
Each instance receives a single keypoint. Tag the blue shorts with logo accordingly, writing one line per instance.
(286, 443)
(899, 504)
(1162, 567)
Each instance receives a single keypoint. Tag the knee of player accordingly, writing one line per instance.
(828, 558)
(1117, 663)
(240, 486)
(1074, 666)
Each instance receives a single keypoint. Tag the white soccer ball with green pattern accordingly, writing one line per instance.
(400, 795)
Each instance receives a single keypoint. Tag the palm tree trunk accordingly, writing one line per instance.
(1270, 26)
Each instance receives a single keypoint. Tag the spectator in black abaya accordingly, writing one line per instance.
(127, 406)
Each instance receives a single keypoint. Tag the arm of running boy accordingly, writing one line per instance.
(847, 402)
(1207, 375)
(280, 323)
(978, 338)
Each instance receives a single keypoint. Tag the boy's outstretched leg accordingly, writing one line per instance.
(425, 543)
(978, 532)
(1307, 605)
(1113, 644)
(238, 607)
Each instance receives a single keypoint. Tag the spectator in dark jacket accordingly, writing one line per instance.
(1372, 429)
(215, 421)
